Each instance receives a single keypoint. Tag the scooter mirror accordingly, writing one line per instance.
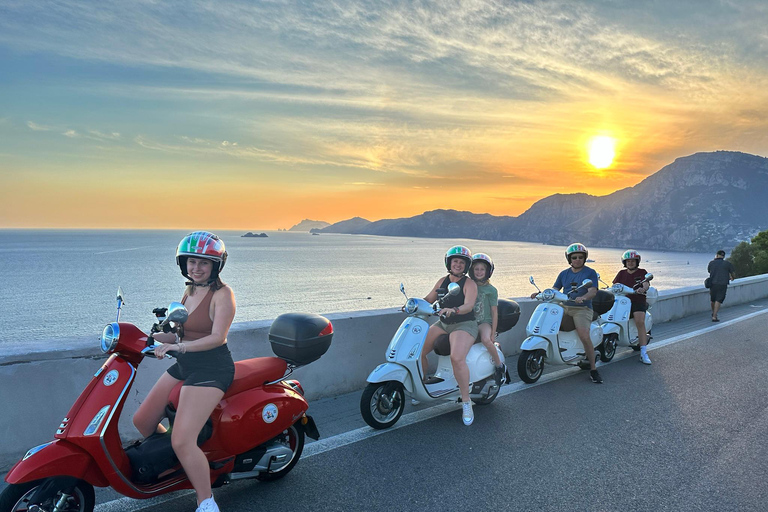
(402, 288)
(648, 276)
(586, 283)
(530, 280)
(453, 289)
(177, 313)
(120, 296)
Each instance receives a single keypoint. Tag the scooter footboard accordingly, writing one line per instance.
(390, 371)
(57, 458)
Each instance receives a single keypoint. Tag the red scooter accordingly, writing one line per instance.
(256, 431)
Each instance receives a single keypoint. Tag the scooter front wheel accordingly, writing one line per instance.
(74, 498)
(292, 438)
(382, 404)
(530, 365)
(608, 347)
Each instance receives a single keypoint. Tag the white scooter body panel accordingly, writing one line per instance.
(480, 362)
(532, 343)
(545, 320)
(391, 371)
(618, 321)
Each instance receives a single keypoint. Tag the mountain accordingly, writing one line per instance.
(307, 225)
(345, 226)
(702, 202)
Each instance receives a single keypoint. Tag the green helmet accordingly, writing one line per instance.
(574, 248)
(458, 251)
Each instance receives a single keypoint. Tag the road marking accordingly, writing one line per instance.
(363, 433)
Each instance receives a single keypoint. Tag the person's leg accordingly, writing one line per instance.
(152, 409)
(461, 342)
(582, 319)
(639, 318)
(429, 344)
(485, 338)
(195, 406)
(715, 310)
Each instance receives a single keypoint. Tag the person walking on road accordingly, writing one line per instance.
(720, 274)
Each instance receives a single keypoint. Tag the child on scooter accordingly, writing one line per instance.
(486, 310)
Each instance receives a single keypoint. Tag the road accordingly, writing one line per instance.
(687, 433)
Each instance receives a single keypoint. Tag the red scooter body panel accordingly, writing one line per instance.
(255, 416)
(59, 458)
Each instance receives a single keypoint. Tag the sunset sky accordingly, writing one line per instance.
(256, 115)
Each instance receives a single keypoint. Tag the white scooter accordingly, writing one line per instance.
(383, 400)
(552, 336)
(619, 327)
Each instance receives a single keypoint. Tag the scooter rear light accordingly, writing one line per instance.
(328, 330)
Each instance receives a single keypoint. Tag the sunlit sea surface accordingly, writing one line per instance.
(60, 285)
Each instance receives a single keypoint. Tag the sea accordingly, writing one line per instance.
(60, 286)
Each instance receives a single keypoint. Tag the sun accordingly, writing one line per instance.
(602, 150)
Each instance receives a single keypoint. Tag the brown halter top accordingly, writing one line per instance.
(199, 323)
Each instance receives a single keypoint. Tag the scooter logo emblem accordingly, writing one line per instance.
(416, 330)
(269, 413)
(111, 377)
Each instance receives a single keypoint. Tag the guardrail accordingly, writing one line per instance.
(37, 390)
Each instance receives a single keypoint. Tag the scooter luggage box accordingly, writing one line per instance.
(300, 338)
(603, 302)
(509, 314)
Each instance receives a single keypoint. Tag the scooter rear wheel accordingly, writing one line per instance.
(292, 437)
(382, 404)
(16, 497)
(530, 365)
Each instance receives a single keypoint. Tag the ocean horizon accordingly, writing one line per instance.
(65, 280)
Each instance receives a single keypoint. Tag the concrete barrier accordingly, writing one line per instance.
(37, 390)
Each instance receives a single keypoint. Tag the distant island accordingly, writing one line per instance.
(308, 225)
(699, 203)
(254, 235)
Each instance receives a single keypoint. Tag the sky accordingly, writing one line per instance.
(256, 115)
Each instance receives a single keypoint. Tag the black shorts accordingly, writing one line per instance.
(717, 292)
(213, 368)
(638, 306)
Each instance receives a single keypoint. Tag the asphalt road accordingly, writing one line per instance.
(686, 433)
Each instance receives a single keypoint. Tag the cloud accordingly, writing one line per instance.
(71, 134)
(97, 135)
(38, 127)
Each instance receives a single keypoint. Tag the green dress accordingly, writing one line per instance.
(487, 297)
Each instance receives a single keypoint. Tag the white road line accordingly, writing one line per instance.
(363, 433)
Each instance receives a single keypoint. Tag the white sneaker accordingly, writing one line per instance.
(208, 506)
(415, 402)
(645, 359)
(467, 416)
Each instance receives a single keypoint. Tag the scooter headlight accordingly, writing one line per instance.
(548, 294)
(109, 337)
(411, 306)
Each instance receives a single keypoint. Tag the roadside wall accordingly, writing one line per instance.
(37, 390)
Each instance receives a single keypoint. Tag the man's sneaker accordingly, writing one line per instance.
(645, 359)
(467, 416)
(596, 378)
(415, 402)
(208, 506)
(500, 374)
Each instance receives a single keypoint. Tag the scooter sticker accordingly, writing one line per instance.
(111, 377)
(269, 413)
(416, 330)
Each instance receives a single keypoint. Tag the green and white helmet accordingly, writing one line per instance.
(574, 248)
(458, 251)
(630, 255)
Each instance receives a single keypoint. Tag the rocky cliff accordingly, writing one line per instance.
(701, 202)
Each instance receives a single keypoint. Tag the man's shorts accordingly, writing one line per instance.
(582, 316)
(717, 292)
(470, 326)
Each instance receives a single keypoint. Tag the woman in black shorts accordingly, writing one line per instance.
(203, 361)
(631, 276)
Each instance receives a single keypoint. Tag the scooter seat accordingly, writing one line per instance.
(251, 373)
